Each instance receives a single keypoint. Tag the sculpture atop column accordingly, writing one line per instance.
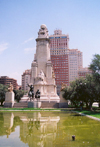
(9, 98)
(63, 103)
(10, 88)
(63, 86)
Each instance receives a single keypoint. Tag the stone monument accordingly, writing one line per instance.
(63, 103)
(9, 98)
(42, 74)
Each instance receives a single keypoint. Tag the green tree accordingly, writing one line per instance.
(19, 94)
(3, 90)
(95, 67)
(90, 91)
(95, 64)
(78, 93)
(86, 90)
(82, 90)
(66, 93)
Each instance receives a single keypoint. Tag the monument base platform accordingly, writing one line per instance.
(51, 104)
(50, 98)
(63, 105)
(9, 99)
(9, 105)
(34, 104)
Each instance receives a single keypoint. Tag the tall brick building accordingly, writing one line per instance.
(66, 62)
(59, 57)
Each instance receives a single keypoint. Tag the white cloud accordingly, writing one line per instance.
(29, 50)
(28, 40)
(3, 47)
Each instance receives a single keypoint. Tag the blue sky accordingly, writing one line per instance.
(20, 21)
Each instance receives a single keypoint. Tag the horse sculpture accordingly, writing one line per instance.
(31, 92)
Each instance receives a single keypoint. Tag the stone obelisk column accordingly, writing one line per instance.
(42, 75)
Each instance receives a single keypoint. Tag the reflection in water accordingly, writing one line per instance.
(36, 128)
(8, 123)
(48, 129)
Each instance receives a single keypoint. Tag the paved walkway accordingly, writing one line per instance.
(87, 116)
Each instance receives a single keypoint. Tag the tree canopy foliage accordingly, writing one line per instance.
(95, 64)
(3, 90)
(19, 94)
(85, 90)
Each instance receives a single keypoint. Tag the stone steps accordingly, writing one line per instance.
(43, 105)
(49, 105)
(21, 105)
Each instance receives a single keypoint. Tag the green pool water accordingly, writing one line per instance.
(48, 129)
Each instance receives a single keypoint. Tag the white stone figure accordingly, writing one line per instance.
(53, 74)
(63, 102)
(63, 86)
(10, 88)
(41, 75)
(43, 32)
(9, 97)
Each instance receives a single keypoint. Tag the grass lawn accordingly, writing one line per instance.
(94, 113)
(28, 109)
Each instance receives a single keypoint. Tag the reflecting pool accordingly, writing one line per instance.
(48, 129)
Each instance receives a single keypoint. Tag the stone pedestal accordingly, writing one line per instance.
(63, 103)
(34, 104)
(9, 99)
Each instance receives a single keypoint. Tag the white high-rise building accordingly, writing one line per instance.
(75, 63)
(26, 79)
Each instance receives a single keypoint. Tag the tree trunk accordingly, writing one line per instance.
(87, 105)
(90, 106)
(99, 104)
(1, 103)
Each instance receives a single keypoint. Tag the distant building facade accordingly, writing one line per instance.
(83, 72)
(59, 43)
(61, 70)
(75, 63)
(66, 62)
(5, 80)
(59, 57)
(26, 79)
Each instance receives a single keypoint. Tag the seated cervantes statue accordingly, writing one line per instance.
(41, 75)
(40, 78)
(10, 88)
